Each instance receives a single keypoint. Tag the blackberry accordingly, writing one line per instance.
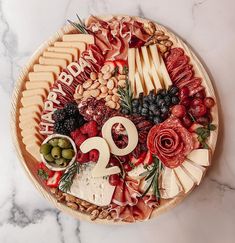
(71, 109)
(59, 115)
(59, 128)
(70, 124)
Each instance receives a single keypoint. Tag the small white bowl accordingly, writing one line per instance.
(55, 167)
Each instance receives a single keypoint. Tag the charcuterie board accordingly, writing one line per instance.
(115, 119)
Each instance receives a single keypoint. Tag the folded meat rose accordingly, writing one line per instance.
(170, 142)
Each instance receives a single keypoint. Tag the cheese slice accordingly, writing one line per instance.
(61, 55)
(88, 39)
(32, 92)
(156, 81)
(165, 75)
(62, 63)
(79, 45)
(147, 79)
(96, 190)
(185, 180)
(200, 157)
(170, 185)
(144, 50)
(70, 50)
(195, 171)
(31, 139)
(155, 57)
(47, 68)
(131, 68)
(33, 100)
(33, 149)
(139, 61)
(41, 76)
(28, 117)
(37, 85)
(26, 124)
(138, 85)
(30, 109)
(30, 131)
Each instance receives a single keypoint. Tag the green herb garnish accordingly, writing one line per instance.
(203, 134)
(66, 180)
(43, 174)
(126, 96)
(80, 25)
(152, 177)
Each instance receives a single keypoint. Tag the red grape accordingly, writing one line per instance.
(198, 110)
(196, 101)
(203, 120)
(187, 121)
(114, 161)
(209, 102)
(184, 92)
(186, 101)
(201, 94)
(127, 167)
(178, 111)
(114, 180)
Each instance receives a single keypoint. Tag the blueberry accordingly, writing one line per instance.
(164, 109)
(167, 99)
(150, 112)
(175, 100)
(161, 102)
(139, 109)
(135, 110)
(157, 120)
(164, 116)
(150, 117)
(151, 96)
(162, 92)
(152, 107)
(146, 104)
(144, 111)
(158, 97)
(135, 102)
(157, 112)
(125, 111)
(145, 99)
(173, 90)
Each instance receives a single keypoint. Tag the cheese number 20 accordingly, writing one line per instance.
(106, 145)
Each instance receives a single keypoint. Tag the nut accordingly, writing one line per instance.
(70, 198)
(82, 209)
(168, 43)
(72, 205)
(102, 81)
(110, 84)
(162, 37)
(91, 208)
(107, 75)
(94, 214)
(105, 69)
(121, 77)
(77, 96)
(94, 85)
(104, 89)
(86, 94)
(102, 95)
(54, 190)
(115, 91)
(159, 32)
(122, 83)
(111, 104)
(109, 217)
(103, 214)
(93, 76)
(117, 106)
(87, 84)
(162, 48)
(108, 97)
(95, 92)
(85, 204)
(115, 98)
(150, 28)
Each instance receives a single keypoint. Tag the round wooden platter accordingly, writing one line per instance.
(29, 163)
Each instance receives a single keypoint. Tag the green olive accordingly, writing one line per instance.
(49, 158)
(64, 143)
(61, 162)
(68, 153)
(56, 152)
(54, 142)
(45, 148)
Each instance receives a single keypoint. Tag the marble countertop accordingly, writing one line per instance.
(208, 214)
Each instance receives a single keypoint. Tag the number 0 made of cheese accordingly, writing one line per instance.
(104, 155)
(131, 132)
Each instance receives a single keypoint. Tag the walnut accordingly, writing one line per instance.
(72, 205)
(103, 214)
(94, 214)
(150, 28)
(91, 208)
(70, 198)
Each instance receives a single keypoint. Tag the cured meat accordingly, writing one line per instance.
(171, 142)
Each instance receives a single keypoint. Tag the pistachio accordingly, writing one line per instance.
(93, 76)
(87, 84)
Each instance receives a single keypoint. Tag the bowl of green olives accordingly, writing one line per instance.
(58, 152)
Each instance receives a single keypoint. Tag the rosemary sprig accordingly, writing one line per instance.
(66, 180)
(203, 134)
(80, 25)
(152, 177)
(126, 96)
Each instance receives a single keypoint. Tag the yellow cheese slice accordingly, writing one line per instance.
(165, 75)
(147, 79)
(88, 39)
(53, 61)
(156, 81)
(28, 123)
(155, 56)
(139, 61)
(30, 131)
(30, 139)
(47, 68)
(195, 171)
(34, 100)
(32, 92)
(33, 149)
(79, 45)
(185, 180)
(170, 185)
(200, 157)
(138, 85)
(70, 50)
(61, 55)
(131, 68)
(37, 85)
(145, 55)
(41, 76)
(30, 109)
(28, 117)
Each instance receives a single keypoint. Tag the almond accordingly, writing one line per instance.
(108, 97)
(122, 83)
(93, 76)
(107, 75)
(110, 84)
(121, 77)
(94, 86)
(102, 81)
(102, 95)
(104, 89)
(77, 96)
(115, 98)
(111, 104)
(86, 94)
(105, 69)
(95, 92)
(87, 84)
(115, 91)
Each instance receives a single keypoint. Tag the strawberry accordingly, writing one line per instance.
(122, 66)
(82, 158)
(148, 160)
(75, 133)
(94, 155)
(139, 160)
(54, 180)
(90, 128)
(80, 139)
(194, 127)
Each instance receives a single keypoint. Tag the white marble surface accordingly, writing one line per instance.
(208, 214)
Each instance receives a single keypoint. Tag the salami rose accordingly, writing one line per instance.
(170, 142)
